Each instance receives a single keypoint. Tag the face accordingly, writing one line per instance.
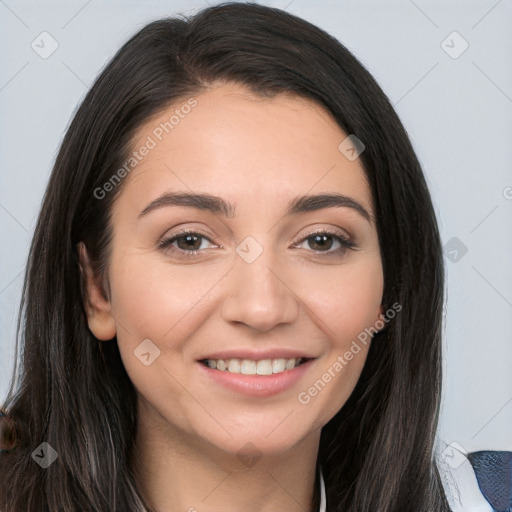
(259, 282)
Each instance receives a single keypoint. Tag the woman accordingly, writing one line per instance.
(234, 293)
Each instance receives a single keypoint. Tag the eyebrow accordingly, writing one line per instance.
(217, 205)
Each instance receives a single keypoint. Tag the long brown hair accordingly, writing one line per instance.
(72, 391)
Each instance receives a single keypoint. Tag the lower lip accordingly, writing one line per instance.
(257, 385)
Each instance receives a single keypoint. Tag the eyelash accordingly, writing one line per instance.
(345, 243)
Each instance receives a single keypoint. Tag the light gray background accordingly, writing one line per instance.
(456, 110)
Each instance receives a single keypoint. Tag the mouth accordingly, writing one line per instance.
(259, 378)
(255, 367)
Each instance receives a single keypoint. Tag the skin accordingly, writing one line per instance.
(258, 154)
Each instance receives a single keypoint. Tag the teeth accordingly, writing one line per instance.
(250, 367)
(278, 365)
(264, 367)
(289, 364)
(234, 366)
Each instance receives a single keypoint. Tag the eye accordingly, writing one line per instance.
(323, 241)
(188, 243)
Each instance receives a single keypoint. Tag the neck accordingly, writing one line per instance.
(176, 471)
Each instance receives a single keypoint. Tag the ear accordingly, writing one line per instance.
(379, 314)
(97, 306)
(379, 318)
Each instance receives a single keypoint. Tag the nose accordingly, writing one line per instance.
(258, 295)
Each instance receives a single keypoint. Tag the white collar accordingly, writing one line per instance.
(322, 493)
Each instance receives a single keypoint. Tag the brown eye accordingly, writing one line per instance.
(320, 242)
(186, 242)
(189, 242)
(323, 242)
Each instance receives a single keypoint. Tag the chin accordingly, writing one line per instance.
(258, 442)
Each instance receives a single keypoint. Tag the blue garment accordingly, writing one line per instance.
(476, 481)
(493, 472)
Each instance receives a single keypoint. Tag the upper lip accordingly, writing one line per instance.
(257, 355)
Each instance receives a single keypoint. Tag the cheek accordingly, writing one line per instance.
(164, 303)
(158, 302)
(152, 298)
(347, 300)
(346, 305)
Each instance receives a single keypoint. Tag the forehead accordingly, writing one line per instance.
(235, 144)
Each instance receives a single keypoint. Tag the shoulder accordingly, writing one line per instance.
(476, 481)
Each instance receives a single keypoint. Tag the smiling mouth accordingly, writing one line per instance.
(252, 367)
